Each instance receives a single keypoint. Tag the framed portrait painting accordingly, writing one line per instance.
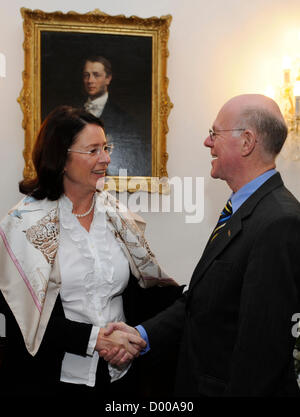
(115, 68)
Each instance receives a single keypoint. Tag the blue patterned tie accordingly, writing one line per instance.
(224, 217)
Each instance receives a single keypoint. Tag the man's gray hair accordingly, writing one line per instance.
(271, 129)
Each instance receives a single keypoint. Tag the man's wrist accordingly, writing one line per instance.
(144, 336)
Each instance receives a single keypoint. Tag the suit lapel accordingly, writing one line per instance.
(216, 247)
(232, 228)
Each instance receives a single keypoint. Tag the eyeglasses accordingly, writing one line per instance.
(107, 149)
(213, 133)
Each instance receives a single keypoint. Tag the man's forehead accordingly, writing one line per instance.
(93, 65)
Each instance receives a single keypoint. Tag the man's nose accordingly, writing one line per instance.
(208, 142)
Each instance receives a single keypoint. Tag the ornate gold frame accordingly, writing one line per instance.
(35, 21)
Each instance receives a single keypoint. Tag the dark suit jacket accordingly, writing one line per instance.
(234, 323)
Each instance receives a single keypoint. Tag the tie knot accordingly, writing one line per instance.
(91, 106)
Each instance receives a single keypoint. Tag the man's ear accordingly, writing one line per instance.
(248, 142)
(108, 79)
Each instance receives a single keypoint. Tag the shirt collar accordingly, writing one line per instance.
(238, 198)
(99, 101)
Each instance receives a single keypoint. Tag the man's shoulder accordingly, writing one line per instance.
(277, 205)
(273, 193)
(112, 106)
(285, 201)
(271, 203)
(117, 119)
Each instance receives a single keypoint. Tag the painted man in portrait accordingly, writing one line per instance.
(120, 127)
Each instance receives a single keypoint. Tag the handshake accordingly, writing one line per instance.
(119, 343)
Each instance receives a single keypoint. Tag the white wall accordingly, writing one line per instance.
(218, 49)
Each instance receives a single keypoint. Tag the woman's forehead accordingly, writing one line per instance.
(91, 134)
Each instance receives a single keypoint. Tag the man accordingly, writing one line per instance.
(234, 322)
(96, 76)
(130, 150)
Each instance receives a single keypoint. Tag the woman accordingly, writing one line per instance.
(67, 254)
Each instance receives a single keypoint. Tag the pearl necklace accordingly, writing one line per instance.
(89, 210)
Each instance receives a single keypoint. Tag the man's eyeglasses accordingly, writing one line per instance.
(214, 133)
(107, 149)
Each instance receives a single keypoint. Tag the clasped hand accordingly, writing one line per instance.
(119, 343)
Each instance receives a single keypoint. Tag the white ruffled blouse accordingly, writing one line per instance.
(94, 273)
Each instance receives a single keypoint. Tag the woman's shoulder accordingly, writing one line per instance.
(28, 205)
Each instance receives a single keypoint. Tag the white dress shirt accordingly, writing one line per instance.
(94, 272)
(97, 105)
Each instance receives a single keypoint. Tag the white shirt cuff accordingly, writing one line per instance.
(117, 373)
(93, 340)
